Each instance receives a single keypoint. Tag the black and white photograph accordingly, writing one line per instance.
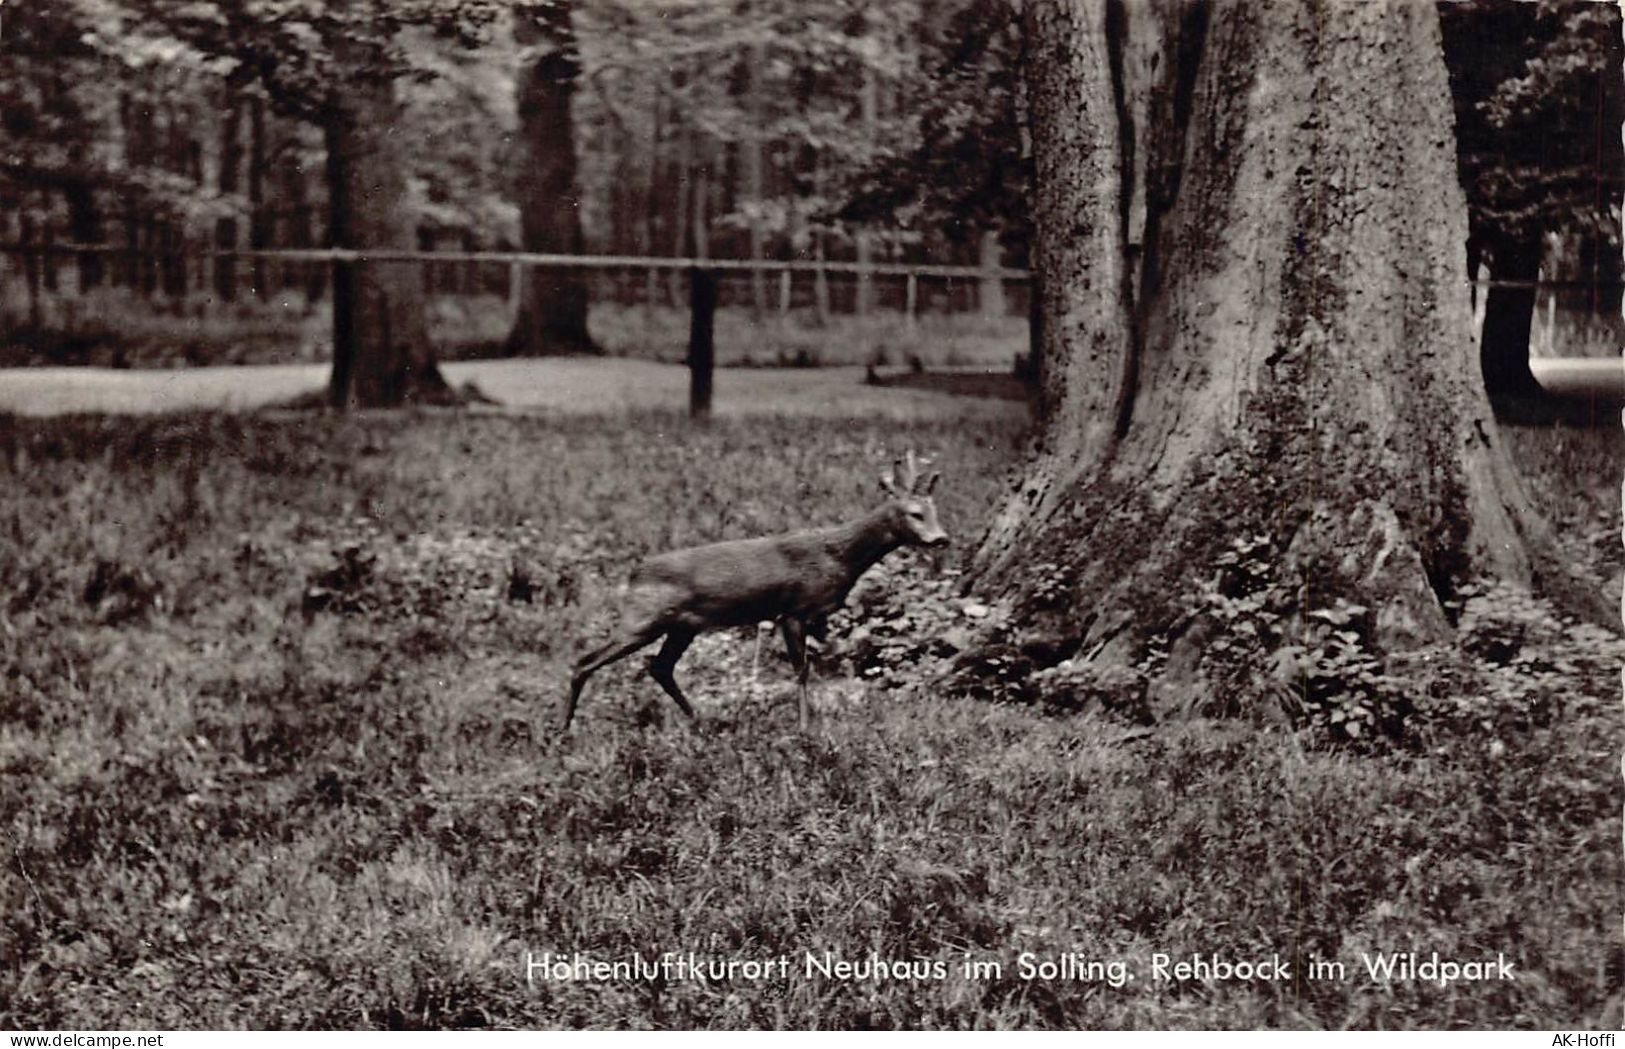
(770, 515)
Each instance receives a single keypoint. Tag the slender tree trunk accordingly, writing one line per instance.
(31, 273)
(699, 241)
(302, 234)
(259, 216)
(682, 197)
(990, 290)
(132, 243)
(85, 227)
(821, 307)
(225, 227)
(1279, 394)
(381, 351)
(869, 118)
(174, 260)
(651, 205)
(48, 257)
(79, 194)
(755, 93)
(625, 202)
(149, 256)
(863, 300)
(552, 315)
(1504, 344)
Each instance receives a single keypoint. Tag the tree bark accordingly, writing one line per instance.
(552, 315)
(1285, 369)
(381, 351)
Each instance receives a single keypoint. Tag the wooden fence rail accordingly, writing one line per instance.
(649, 262)
(524, 258)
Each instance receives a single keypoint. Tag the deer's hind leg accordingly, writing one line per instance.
(661, 667)
(795, 642)
(601, 657)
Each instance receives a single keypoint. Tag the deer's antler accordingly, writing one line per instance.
(905, 476)
(907, 471)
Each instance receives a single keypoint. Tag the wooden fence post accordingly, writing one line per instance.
(784, 298)
(516, 287)
(342, 379)
(911, 303)
(702, 296)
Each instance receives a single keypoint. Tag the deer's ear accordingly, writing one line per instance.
(886, 484)
(930, 483)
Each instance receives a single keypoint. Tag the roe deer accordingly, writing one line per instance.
(681, 594)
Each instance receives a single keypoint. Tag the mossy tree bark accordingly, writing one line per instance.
(1255, 333)
(552, 315)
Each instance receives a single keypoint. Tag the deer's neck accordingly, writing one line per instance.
(861, 543)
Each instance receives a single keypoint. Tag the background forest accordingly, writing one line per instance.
(752, 130)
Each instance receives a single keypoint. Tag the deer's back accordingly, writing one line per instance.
(742, 581)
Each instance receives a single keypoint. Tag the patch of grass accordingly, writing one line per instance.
(797, 340)
(1573, 477)
(276, 750)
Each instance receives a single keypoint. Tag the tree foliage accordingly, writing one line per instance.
(967, 168)
(1537, 91)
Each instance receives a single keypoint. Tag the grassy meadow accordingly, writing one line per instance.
(276, 702)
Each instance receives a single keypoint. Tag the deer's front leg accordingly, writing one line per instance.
(795, 642)
(661, 667)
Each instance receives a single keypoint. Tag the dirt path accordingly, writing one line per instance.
(553, 384)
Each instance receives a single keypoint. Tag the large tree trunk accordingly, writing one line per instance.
(381, 351)
(1282, 384)
(552, 315)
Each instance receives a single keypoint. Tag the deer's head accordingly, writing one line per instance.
(915, 515)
